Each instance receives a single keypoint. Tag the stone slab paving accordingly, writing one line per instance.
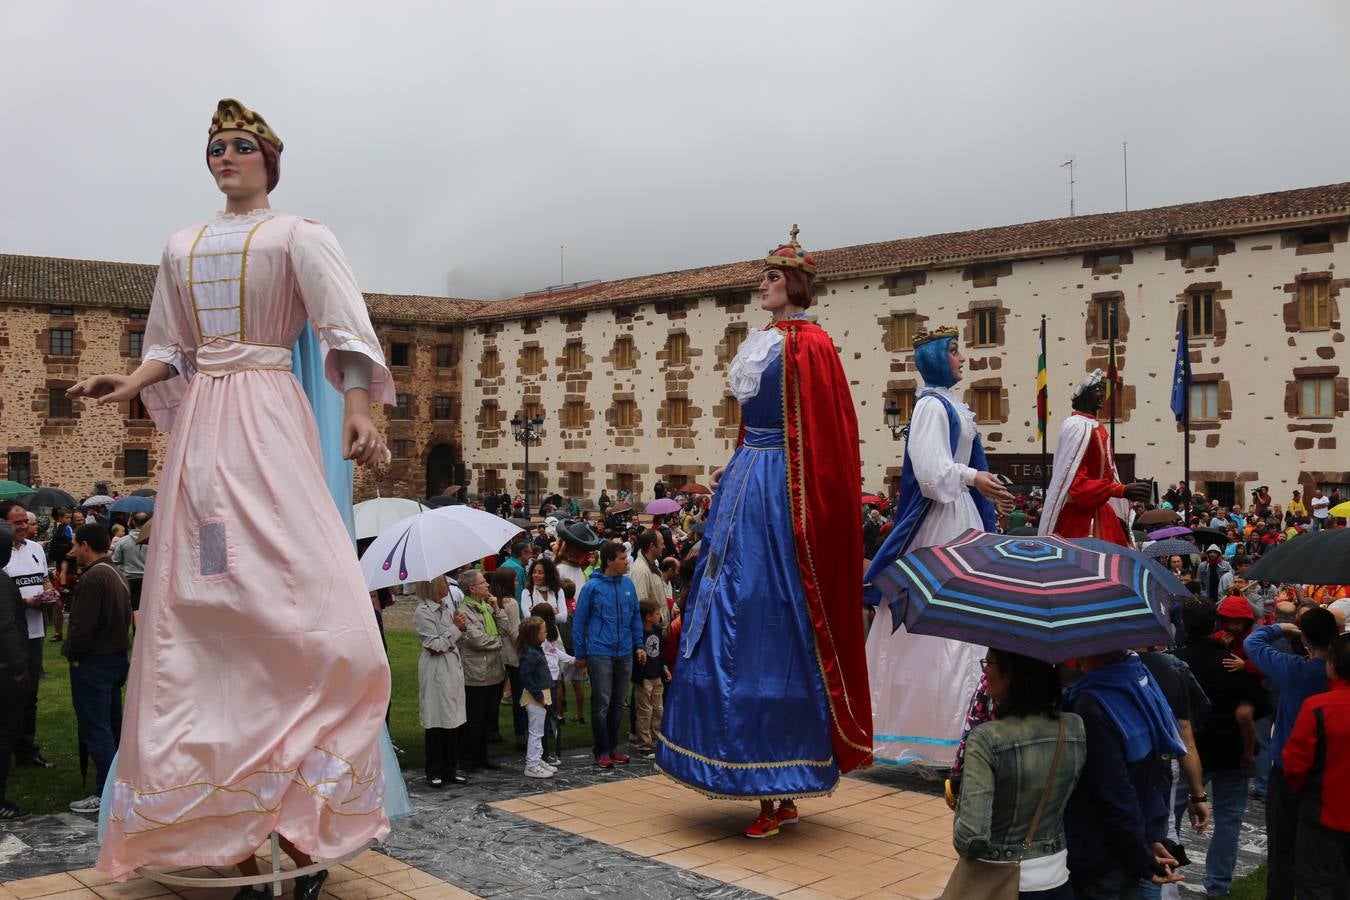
(593, 833)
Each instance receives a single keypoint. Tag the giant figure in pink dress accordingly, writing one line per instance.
(258, 686)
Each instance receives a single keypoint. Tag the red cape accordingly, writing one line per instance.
(821, 432)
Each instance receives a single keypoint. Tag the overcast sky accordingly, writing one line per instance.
(453, 146)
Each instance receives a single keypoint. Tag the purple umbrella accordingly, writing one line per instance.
(1164, 533)
(661, 507)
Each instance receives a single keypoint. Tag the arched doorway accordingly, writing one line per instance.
(444, 470)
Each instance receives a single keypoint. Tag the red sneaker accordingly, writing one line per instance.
(764, 826)
(620, 758)
(787, 815)
(605, 762)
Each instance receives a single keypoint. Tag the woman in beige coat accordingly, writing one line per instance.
(440, 678)
(480, 650)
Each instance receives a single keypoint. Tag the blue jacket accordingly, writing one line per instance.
(1118, 808)
(534, 674)
(1297, 677)
(607, 620)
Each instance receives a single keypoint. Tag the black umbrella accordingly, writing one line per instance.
(1206, 536)
(48, 497)
(1170, 547)
(442, 500)
(1321, 558)
(144, 492)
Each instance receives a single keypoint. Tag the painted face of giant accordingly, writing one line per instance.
(773, 292)
(955, 360)
(237, 163)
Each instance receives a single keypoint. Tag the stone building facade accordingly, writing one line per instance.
(630, 376)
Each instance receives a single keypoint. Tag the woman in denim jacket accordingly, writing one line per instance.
(1006, 768)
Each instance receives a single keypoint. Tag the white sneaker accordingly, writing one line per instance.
(89, 804)
(552, 769)
(538, 772)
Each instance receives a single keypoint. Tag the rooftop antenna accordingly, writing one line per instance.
(1125, 165)
(561, 249)
(1069, 163)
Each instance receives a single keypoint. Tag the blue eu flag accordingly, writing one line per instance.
(1181, 377)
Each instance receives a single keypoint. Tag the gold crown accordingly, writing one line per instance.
(792, 255)
(231, 115)
(924, 335)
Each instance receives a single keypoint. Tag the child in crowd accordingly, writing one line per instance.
(572, 674)
(650, 680)
(536, 694)
(558, 660)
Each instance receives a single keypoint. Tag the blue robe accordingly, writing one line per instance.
(746, 714)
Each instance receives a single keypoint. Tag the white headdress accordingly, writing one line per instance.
(1087, 384)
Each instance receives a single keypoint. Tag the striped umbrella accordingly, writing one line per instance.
(1050, 598)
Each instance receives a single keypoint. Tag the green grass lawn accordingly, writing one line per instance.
(50, 790)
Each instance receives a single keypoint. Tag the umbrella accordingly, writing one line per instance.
(1157, 517)
(661, 507)
(1321, 558)
(1170, 547)
(132, 505)
(1175, 531)
(618, 508)
(13, 490)
(373, 516)
(144, 492)
(97, 500)
(1340, 510)
(441, 500)
(48, 498)
(520, 523)
(1045, 597)
(869, 499)
(432, 543)
(1206, 536)
(692, 488)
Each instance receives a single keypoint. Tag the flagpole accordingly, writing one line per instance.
(1186, 402)
(1045, 428)
(1111, 370)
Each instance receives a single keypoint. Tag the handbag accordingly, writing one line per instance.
(979, 879)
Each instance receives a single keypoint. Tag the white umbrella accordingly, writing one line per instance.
(97, 500)
(432, 543)
(374, 516)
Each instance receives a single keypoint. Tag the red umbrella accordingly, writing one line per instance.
(869, 499)
(692, 488)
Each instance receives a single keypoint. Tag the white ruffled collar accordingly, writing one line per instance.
(757, 352)
(253, 215)
(966, 413)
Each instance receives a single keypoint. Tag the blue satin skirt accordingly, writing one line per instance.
(746, 714)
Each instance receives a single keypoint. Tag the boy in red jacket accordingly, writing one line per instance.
(1316, 761)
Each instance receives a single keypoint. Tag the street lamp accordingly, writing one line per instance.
(529, 431)
(893, 421)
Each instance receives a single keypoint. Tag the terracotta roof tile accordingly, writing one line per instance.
(86, 282)
(945, 250)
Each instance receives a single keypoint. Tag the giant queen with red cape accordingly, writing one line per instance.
(769, 698)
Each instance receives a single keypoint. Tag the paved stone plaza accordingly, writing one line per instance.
(589, 833)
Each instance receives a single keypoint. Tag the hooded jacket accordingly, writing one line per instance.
(607, 620)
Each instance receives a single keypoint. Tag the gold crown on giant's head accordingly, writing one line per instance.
(231, 115)
(791, 255)
(923, 335)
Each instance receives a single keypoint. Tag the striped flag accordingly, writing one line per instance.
(1042, 392)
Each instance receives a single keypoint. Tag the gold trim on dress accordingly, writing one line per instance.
(783, 764)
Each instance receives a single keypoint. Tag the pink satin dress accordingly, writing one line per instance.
(258, 683)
